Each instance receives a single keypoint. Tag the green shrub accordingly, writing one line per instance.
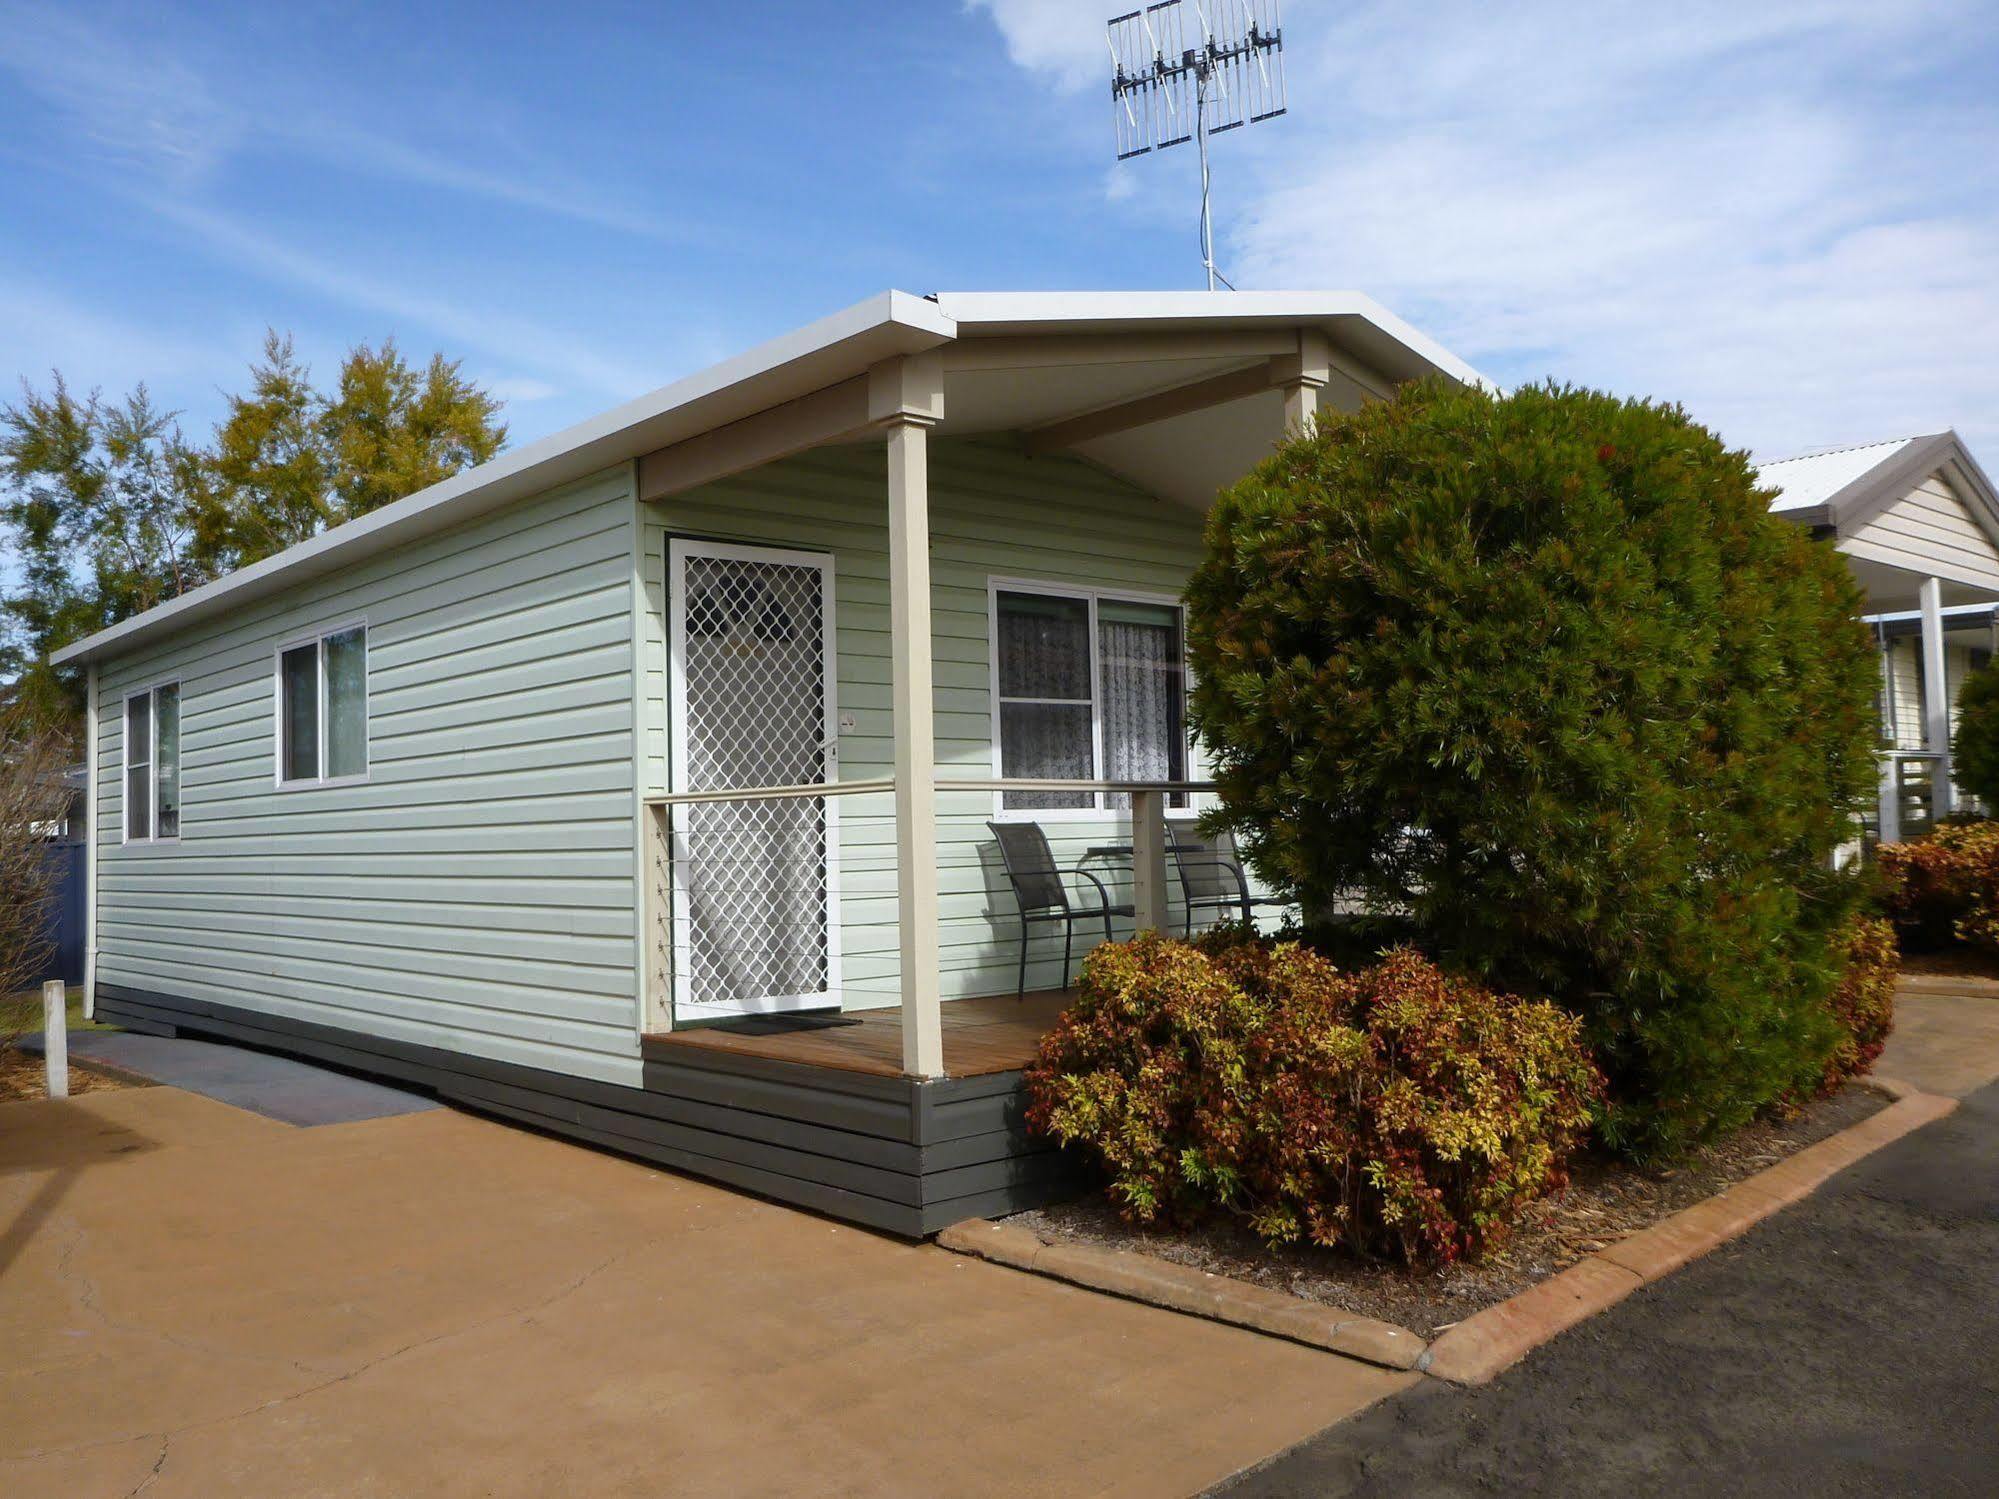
(1944, 888)
(1541, 683)
(1974, 747)
(1863, 1002)
(1396, 1111)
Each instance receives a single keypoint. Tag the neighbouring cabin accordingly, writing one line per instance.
(1918, 522)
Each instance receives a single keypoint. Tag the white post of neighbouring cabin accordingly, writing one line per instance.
(1888, 795)
(906, 396)
(1936, 700)
(55, 1036)
(90, 843)
(1148, 860)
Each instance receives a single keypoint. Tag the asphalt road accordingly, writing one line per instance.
(1847, 1346)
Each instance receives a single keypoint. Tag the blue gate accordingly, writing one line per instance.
(68, 915)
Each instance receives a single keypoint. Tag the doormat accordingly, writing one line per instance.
(783, 1025)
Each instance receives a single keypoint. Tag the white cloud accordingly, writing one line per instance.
(467, 327)
(150, 103)
(1060, 37)
(45, 329)
(1772, 212)
(138, 107)
(517, 390)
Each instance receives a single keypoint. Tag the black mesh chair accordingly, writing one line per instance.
(1211, 877)
(1043, 894)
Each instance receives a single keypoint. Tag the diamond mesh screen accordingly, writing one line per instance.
(753, 874)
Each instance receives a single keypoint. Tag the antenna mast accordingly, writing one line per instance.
(1233, 75)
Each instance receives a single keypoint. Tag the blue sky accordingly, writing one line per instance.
(1783, 214)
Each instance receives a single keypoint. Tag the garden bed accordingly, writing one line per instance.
(22, 1077)
(1961, 962)
(1606, 1201)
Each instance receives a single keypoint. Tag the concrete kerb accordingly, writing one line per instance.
(1480, 1347)
(1157, 1282)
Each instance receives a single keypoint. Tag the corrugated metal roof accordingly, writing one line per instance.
(1816, 477)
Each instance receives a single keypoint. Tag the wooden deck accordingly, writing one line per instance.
(981, 1037)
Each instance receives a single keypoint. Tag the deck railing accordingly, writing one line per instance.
(744, 883)
(1906, 802)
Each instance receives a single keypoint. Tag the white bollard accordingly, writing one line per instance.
(55, 1036)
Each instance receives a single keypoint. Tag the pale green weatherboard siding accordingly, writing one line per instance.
(992, 513)
(477, 892)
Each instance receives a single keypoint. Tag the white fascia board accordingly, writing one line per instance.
(1352, 320)
(832, 349)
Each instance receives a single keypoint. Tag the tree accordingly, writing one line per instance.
(1974, 748)
(290, 462)
(97, 504)
(1539, 682)
(34, 754)
(110, 510)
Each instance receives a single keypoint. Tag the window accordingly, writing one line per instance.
(1088, 686)
(323, 708)
(152, 764)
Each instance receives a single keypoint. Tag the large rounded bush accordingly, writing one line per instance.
(1540, 683)
(1395, 1111)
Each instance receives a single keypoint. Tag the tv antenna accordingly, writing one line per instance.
(1168, 87)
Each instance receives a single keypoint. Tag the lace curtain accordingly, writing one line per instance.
(1046, 730)
(1144, 681)
(1048, 717)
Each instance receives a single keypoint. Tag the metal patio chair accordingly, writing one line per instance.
(1211, 877)
(1043, 895)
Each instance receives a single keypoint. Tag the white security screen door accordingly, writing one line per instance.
(755, 882)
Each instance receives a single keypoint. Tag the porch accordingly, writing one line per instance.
(992, 1034)
(890, 611)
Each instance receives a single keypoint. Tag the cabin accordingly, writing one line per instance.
(1918, 522)
(648, 783)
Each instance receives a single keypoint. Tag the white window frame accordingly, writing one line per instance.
(151, 690)
(1099, 811)
(317, 639)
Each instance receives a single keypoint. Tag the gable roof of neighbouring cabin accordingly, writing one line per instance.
(801, 362)
(1843, 488)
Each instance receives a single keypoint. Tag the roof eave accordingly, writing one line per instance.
(892, 323)
(820, 354)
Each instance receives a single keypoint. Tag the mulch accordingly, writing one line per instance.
(1962, 961)
(1605, 1201)
(22, 1078)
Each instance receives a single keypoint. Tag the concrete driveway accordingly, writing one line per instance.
(198, 1300)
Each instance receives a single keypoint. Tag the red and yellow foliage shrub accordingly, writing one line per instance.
(1945, 887)
(1397, 1111)
(1863, 1005)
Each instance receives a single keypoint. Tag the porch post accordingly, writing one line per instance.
(1301, 377)
(1148, 860)
(1936, 700)
(1888, 798)
(906, 398)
